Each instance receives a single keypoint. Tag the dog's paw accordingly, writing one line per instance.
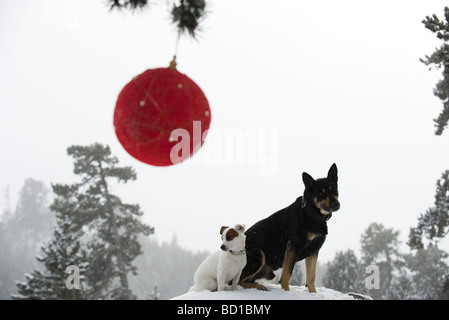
(312, 289)
(261, 287)
(253, 286)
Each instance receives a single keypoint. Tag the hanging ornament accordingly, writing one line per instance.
(153, 108)
(161, 115)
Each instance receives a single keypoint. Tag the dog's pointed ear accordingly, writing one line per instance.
(240, 228)
(223, 229)
(308, 180)
(333, 173)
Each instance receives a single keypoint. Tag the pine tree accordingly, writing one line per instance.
(429, 272)
(110, 227)
(32, 223)
(22, 233)
(344, 273)
(50, 284)
(440, 59)
(434, 224)
(380, 247)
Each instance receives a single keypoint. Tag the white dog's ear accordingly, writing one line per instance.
(223, 229)
(240, 228)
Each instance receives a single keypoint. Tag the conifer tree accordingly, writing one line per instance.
(380, 247)
(344, 273)
(32, 222)
(23, 232)
(440, 59)
(110, 227)
(51, 284)
(429, 272)
(434, 224)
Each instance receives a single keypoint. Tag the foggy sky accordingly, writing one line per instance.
(311, 83)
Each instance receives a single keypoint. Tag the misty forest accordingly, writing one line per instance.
(117, 257)
(80, 241)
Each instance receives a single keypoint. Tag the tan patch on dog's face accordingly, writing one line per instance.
(322, 205)
(231, 234)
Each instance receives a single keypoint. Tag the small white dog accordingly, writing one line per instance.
(224, 265)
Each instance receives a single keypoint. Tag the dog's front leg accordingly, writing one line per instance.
(221, 277)
(290, 258)
(236, 279)
(311, 271)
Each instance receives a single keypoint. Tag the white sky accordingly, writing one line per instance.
(313, 82)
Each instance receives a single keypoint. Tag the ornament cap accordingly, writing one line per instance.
(173, 63)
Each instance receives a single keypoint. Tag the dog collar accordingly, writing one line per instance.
(322, 217)
(238, 252)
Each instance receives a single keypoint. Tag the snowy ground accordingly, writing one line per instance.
(274, 293)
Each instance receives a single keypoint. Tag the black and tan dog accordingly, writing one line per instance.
(292, 234)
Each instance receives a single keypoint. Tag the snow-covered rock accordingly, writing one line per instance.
(274, 293)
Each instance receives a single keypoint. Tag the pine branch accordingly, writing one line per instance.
(186, 14)
(131, 4)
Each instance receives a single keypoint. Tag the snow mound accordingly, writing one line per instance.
(274, 292)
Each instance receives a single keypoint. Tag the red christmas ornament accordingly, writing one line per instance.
(151, 107)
